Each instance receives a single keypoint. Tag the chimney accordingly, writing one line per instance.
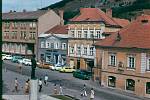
(10, 11)
(109, 12)
(24, 10)
(61, 14)
(132, 19)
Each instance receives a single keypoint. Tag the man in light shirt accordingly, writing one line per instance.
(40, 85)
(46, 79)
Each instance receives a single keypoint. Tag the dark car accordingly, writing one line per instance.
(82, 74)
(16, 59)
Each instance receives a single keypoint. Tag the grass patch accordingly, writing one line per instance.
(62, 97)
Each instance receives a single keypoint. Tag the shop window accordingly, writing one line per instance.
(130, 84)
(148, 88)
(111, 81)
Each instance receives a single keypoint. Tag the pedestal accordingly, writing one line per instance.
(34, 89)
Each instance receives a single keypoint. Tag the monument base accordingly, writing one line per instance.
(34, 89)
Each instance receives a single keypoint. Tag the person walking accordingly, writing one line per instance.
(60, 90)
(92, 94)
(16, 85)
(84, 93)
(20, 67)
(26, 87)
(55, 89)
(40, 85)
(46, 79)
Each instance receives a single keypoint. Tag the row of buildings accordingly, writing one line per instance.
(115, 50)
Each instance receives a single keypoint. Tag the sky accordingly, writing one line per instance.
(29, 5)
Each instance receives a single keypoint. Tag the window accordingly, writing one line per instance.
(91, 34)
(98, 34)
(71, 50)
(111, 81)
(52, 45)
(63, 45)
(47, 45)
(130, 84)
(57, 46)
(42, 44)
(148, 88)
(78, 50)
(72, 34)
(79, 34)
(85, 50)
(131, 62)
(148, 64)
(91, 51)
(85, 34)
(112, 59)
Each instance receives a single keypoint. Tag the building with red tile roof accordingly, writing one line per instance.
(58, 29)
(95, 14)
(135, 35)
(91, 25)
(124, 58)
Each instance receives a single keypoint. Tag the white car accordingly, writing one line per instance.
(56, 67)
(26, 62)
(7, 57)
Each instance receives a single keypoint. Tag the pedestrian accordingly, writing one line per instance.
(46, 79)
(26, 87)
(40, 85)
(83, 92)
(60, 90)
(16, 85)
(28, 83)
(55, 89)
(92, 94)
(5, 69)
(20, 67)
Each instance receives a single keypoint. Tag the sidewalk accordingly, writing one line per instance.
(26, 97)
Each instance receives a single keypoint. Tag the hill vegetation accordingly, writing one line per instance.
(71, 7)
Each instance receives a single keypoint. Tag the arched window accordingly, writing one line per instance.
(111, 81)
(130, 84)
(148, 88)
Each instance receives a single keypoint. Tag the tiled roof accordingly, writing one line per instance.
(121, 22)
(95, 14)
(135, 35)
(59, 29)
(23, 15)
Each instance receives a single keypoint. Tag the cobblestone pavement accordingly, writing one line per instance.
(71, 85)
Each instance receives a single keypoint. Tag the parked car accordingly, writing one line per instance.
(7, 57)
(17, 59)
(56, 67)
(67, 69)
(45, 65)
(3, 56)
(82, 74)
(26, 62)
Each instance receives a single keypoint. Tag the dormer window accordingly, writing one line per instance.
(144, 21)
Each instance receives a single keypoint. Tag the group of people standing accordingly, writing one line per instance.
(84, 92)
(26, 86)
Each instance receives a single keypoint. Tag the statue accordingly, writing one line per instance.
(33, 61)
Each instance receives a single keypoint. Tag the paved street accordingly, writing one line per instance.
(71, 85)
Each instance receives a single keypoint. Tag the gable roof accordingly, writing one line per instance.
(95, 14)
(23, 15)
(58, 29)
(135, 35)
